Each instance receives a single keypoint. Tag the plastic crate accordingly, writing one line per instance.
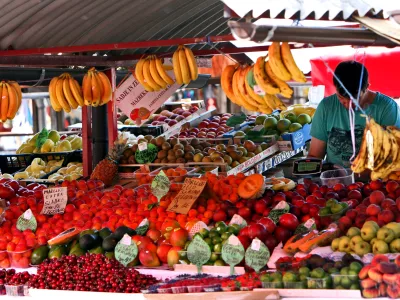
(11, 163)
(153, 130)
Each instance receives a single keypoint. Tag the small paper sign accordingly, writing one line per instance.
(27, 221)
(160, 185)
(142, 227)
(188, 195)
(236, 219)
(198, 252)
(142, 146)
(125, 251)
(236, 119)
(146, 156)
(55, 200)
(257, 255)
(232, 252)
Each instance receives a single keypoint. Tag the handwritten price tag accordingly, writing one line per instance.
(189, 193)
(126, 251)
(232, 252)
(160, 185)
(238, 220)
(142, 146)
(198, 252)
(257, 255)
(27, 221)
(55, 200)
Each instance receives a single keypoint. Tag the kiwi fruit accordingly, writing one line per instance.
(166, 146)
(178, 147)
(157, 161)
(171, 152)
(153, 141)
(162, 154)
(181, 160)
(164, 161)
(179, 153)
(149, 137)
(160, 140)
(194, 142)
(171, 157)
(188, 148)
(172, 161)
(189, 156)
(183, 142)
(174, 141)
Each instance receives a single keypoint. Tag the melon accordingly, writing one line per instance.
(252, 187)
(64, 237)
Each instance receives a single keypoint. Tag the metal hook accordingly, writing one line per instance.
(41, 78)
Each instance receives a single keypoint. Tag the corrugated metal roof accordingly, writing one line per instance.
(314, 9)
(49, 23)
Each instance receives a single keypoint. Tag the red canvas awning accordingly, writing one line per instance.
(383, 67)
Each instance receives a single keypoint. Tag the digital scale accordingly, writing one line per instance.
(307, 167)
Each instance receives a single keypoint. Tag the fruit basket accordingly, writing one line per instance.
(295, 285)
(19, 259)
(319, 283)
(272, 285)
(11, 163)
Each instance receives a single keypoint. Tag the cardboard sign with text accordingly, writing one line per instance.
(55, 200)
(188, 195)
(131, 94)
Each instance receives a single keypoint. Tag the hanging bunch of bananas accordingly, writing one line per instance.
(65, 93)
(269, 76)
(96, 88)
(185, 65)
(152, 74)
(11, 98)
(379, 151)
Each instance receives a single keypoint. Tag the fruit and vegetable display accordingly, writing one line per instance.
(66, 94)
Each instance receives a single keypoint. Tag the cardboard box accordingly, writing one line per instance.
(297, 139)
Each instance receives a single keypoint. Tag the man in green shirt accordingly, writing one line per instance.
(330, 129)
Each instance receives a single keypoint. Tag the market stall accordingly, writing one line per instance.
(154, 198)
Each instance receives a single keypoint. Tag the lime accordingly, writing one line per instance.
(204, 232)
(234, 228)
(303, 119)
(283, 125)
(225, 235)
(216, 240)
(294, 127)
(214, 256)
(291, 117)
(217, 248)
(213, 234)
(270, 123)
(219, 263)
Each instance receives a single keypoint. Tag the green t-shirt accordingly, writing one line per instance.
(331, 125)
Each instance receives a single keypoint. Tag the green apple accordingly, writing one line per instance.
(317, 273)
(336, 208)
(277, 276)
(333, 271)
(290, 277)
(353, 231)
(373, 241)
(344, 271)
(355, 240)
(380, 247)
(304, 271)
(395, 227)
(331, 202)
(346, 282)
(371, 223)
(368, 232)
(362, 248)
(335, 244)
(344, 244)
(385, 234)
(355, 266)
(266, 277)
(395, 246)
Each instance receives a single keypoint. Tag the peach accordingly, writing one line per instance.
(373, 210)
(378, 258)
(386, 267)
(364, 272)
(162, 252)
(391, 278)
(382, 290)
(149, 258)
(391, 186)
(375, 275)
(386, 216)
(387, 203)
(377, 197)
(393, 291)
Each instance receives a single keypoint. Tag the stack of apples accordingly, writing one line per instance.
(210, 128)
(172, 118)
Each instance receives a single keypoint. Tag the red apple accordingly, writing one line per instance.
(271, 242)
(244, 212)
(244, 231)
(245, 240)
(352, 214)
(260, 206)
(162, 252)
(373, 210)
(355, 194)
(376, 197)
(282, 234)
(289, 221)
(257, 231)
(387, 203)
(386, 216)
(268, 224)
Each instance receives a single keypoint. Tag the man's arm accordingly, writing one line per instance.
(317, 148)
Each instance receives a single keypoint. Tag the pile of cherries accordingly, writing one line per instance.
(10, 277)
(90, 272)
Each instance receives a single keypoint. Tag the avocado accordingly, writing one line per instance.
(78, 252)
(57, 251)
(97, 241)
(109, 255)
(39, 255)
(122, 230)
(105, 232)
(109, 243)
(97, 250)
(87, 231)
(87, 241)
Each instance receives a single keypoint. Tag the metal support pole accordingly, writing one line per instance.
(99, 133)
(87, 140)
(112, 110)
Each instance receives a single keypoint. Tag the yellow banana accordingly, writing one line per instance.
(259, 99)
(4, 102)
(17, 88)
(13, 102)
(226, 82)
(100, 84)
(53, 96)
(242, 87)
(67, 93)
(60, 95)
(155, 74)
(235, 86)
(96, 90)
(177, 67)
(262, 79)
(274, 102)
(184, 66)
(139, 75)
(167, 67)
(162, 71)
(360, 161)
(276, 63)
(147, 76)
(107, 89)
(192, 63)
(76, 91)
(265, 109)
(87, 89)
(290, 64)
(284, 88)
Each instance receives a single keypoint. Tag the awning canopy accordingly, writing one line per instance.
(383, 67)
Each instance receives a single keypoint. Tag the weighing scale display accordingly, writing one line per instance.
(307, 166)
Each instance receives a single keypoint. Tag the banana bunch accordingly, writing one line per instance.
(65, 93)
(72, 171)
(238, 83)
(152, 74)
(379, 151)
(11, 98)
(96, 88)
(184, 64)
